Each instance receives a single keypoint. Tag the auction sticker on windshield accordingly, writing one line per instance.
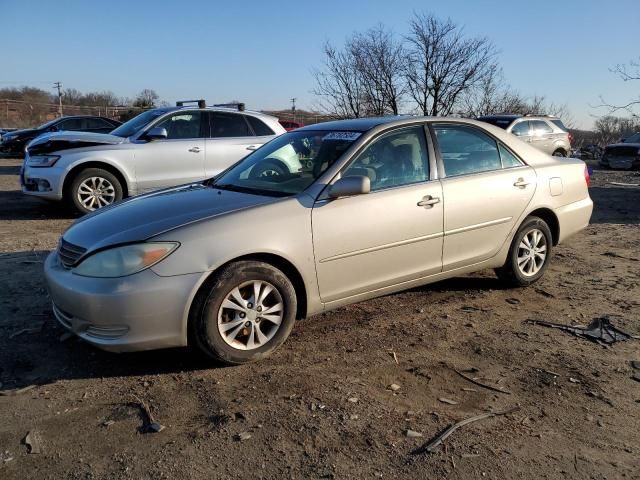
(348, 136)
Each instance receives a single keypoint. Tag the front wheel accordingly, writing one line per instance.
(248, 311)
(529, 253)
(94, 188)
(559, 153)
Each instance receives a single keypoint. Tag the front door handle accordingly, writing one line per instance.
(428, 201)
(252, 147)
(195, 149)
(520, 183)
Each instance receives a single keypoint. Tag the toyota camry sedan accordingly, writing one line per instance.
(375, 206)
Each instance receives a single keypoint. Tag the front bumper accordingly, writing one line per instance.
(143, 311)
(42, 182)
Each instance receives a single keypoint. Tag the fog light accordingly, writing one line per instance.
(43, 185)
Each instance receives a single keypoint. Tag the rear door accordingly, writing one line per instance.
(230, 139)
(175, 160)
(485, 189)
(542, 136)
(389, 236)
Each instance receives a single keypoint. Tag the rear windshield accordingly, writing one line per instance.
(497, 121)
(558, 123)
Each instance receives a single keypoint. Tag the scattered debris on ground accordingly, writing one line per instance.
(33, 442)
(435, 442)
(599, 330)
(480, 384)
(149, 425)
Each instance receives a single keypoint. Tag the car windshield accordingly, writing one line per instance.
(633, 138)
(136, 123)
(48, 124)
(288, 164)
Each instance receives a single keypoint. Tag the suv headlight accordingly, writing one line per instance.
(42, 160)
(125, 260)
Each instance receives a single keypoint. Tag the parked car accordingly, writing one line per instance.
(159, 148)
(590, 151)
(381, 205)
(543, 132)
(289, 125)
(624, 155)
(14, 142)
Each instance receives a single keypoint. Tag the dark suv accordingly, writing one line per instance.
(544, 132)
(14, 142)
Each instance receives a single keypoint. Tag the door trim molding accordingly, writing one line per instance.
(381, 247)
(477, 226)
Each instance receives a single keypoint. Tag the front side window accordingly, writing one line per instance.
(540, 128)
(288, 164)
(182, 125)
(465, 150)
(521, 129)
(229, 125)
(395, 159)
(72, 124)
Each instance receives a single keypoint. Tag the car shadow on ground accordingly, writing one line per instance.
(16, 206)
(615, 204)
(10, 170)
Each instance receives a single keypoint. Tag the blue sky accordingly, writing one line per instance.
(263, 52)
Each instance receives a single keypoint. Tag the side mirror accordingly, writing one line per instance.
(349, 186)
(157, 133)
(53, 129)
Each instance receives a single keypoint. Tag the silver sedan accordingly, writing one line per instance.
(376, 206)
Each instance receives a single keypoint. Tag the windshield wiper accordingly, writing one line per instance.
(253, 191)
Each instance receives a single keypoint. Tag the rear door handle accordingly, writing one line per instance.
(520, 183)
(252, 147)
(428, 201)
(195, 149)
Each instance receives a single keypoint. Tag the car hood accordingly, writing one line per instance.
(58, 141)
(140, 218)
(25, 132)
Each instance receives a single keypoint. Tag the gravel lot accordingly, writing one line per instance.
(321, 407)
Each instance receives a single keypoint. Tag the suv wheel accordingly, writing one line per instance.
(559, 153)
(246, 312)
(94, 188)
(269, 168)
(529, 254)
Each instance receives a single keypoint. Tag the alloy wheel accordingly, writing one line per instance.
(250, 315)
(96, 192)
(532, 252)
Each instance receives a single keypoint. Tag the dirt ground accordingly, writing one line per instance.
(321, 406)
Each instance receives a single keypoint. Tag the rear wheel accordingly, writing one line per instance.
(94, 188)
(245, 313)
(529, 253)
(559, 153)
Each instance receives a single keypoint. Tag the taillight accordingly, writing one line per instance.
(570, 138)
(587, 176)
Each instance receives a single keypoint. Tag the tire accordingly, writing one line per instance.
(223, 333)
(525, 274)
(78, 194)
(268, 168)
(559, 153)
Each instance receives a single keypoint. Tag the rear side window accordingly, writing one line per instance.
(540, 128)
(226, 125)
(71, 124)
(465, 150)
(97, 123)
(521, 129)
(508, 159)
(558, 123)
(259, 127)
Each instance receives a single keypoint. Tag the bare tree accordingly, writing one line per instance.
(443, 63)
(146, 99)
(628, 73)
(379, 62)
(610, 129)
(339, 84)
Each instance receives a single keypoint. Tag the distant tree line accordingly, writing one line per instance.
(436, 69)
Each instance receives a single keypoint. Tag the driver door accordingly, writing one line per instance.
(386, 237)
(175, 160)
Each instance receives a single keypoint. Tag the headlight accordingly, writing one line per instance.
(125, 260)
(8, 137)
(42, 160)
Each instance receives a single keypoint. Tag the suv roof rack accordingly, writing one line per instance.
(538, 115)
(201, 103)
(237, 105)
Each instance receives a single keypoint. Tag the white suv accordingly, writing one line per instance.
(159, 148)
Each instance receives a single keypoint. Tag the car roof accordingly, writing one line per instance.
(356, 124)
(212, 109)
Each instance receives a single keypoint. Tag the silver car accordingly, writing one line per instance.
(544, 132)
(159, 148)
(378, 205)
